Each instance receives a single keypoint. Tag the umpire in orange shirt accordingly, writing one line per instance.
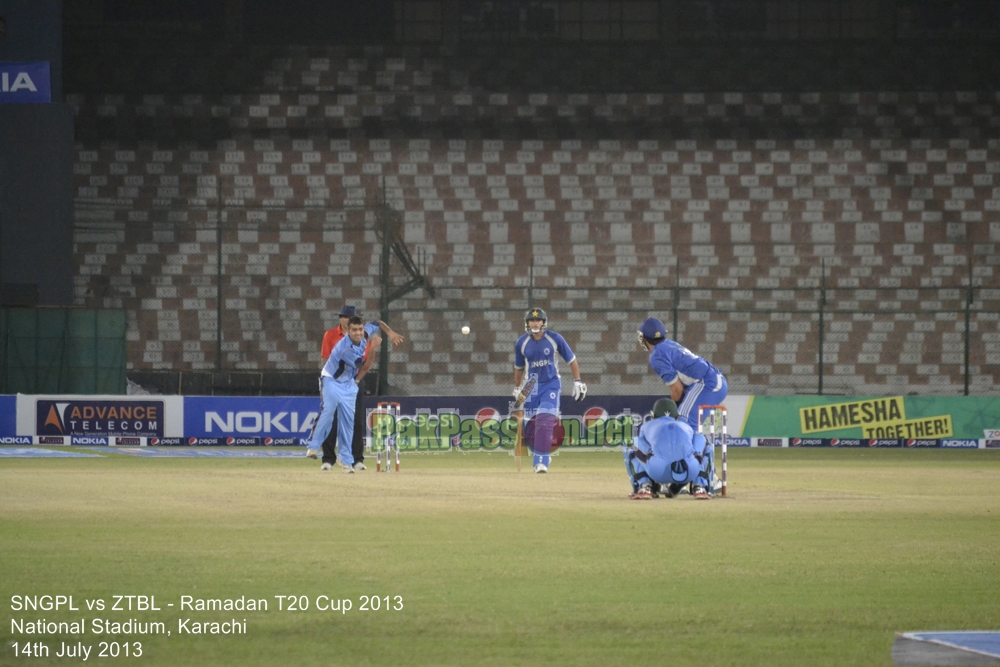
(331, 338)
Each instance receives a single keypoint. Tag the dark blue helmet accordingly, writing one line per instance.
(652, 331)
(535, 314)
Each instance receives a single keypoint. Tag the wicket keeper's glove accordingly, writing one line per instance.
(579, 390)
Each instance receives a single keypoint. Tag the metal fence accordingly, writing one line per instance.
(811, 344)
(245, 304)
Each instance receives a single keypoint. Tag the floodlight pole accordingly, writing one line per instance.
(388, 223)
(677, 295)
(822, 304)
(968, 326)
(383, 362)
(531, 283)
(218, 275)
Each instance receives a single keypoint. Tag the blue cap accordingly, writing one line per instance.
(348, 311)
(653, 330)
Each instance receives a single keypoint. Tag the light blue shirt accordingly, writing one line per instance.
(346, 357)
(669, 439)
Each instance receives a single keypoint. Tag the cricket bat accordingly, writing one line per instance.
(523, 393)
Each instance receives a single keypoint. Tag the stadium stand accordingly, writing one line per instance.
(744, 217)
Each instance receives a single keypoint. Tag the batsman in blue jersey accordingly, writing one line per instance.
(668, 455)
(692, 380)
(535, 355)
(339, 389)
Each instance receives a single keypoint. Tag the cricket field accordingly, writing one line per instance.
(816, 558)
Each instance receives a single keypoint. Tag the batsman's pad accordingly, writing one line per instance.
(636, 469)
(544, 433)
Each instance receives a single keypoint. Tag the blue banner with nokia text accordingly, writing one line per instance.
(8, 416)
(25, 83)
(276, 420)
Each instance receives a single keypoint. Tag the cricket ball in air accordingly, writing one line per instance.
(466, 330)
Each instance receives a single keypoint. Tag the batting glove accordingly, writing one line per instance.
(517, 393)
(579, 390)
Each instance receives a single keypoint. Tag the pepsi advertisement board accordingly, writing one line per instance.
(166, 442)
(912, 443)
(487, 422)
(848, 442)
(885, 442)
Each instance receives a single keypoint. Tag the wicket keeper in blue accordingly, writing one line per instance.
(535, 354)
(339, 388)
(693, 381)
(667, 456)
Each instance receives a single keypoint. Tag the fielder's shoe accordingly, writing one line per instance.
(326, 466)
(348, 470)
(359, 466)
(312, 453)
(541, 469)
(645, 492)
(699, 493)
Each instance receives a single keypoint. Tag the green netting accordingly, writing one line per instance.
(62, 351)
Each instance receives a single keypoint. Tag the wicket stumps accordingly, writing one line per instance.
(715, 420)
(389, 412)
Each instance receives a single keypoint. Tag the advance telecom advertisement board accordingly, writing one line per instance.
(78, 419)
(82, 416)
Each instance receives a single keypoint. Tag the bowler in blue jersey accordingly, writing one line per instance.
(692, 380)
(339, 388)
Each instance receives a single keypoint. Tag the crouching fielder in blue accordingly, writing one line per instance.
(692, 380)
(667, 456)
(339, 389)
(535, 354)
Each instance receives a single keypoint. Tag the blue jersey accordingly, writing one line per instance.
(672, 361)
(346, 357)
(672, 454)
(669, 439)
(538, 357)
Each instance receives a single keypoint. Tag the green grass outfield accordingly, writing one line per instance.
(816, 558)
